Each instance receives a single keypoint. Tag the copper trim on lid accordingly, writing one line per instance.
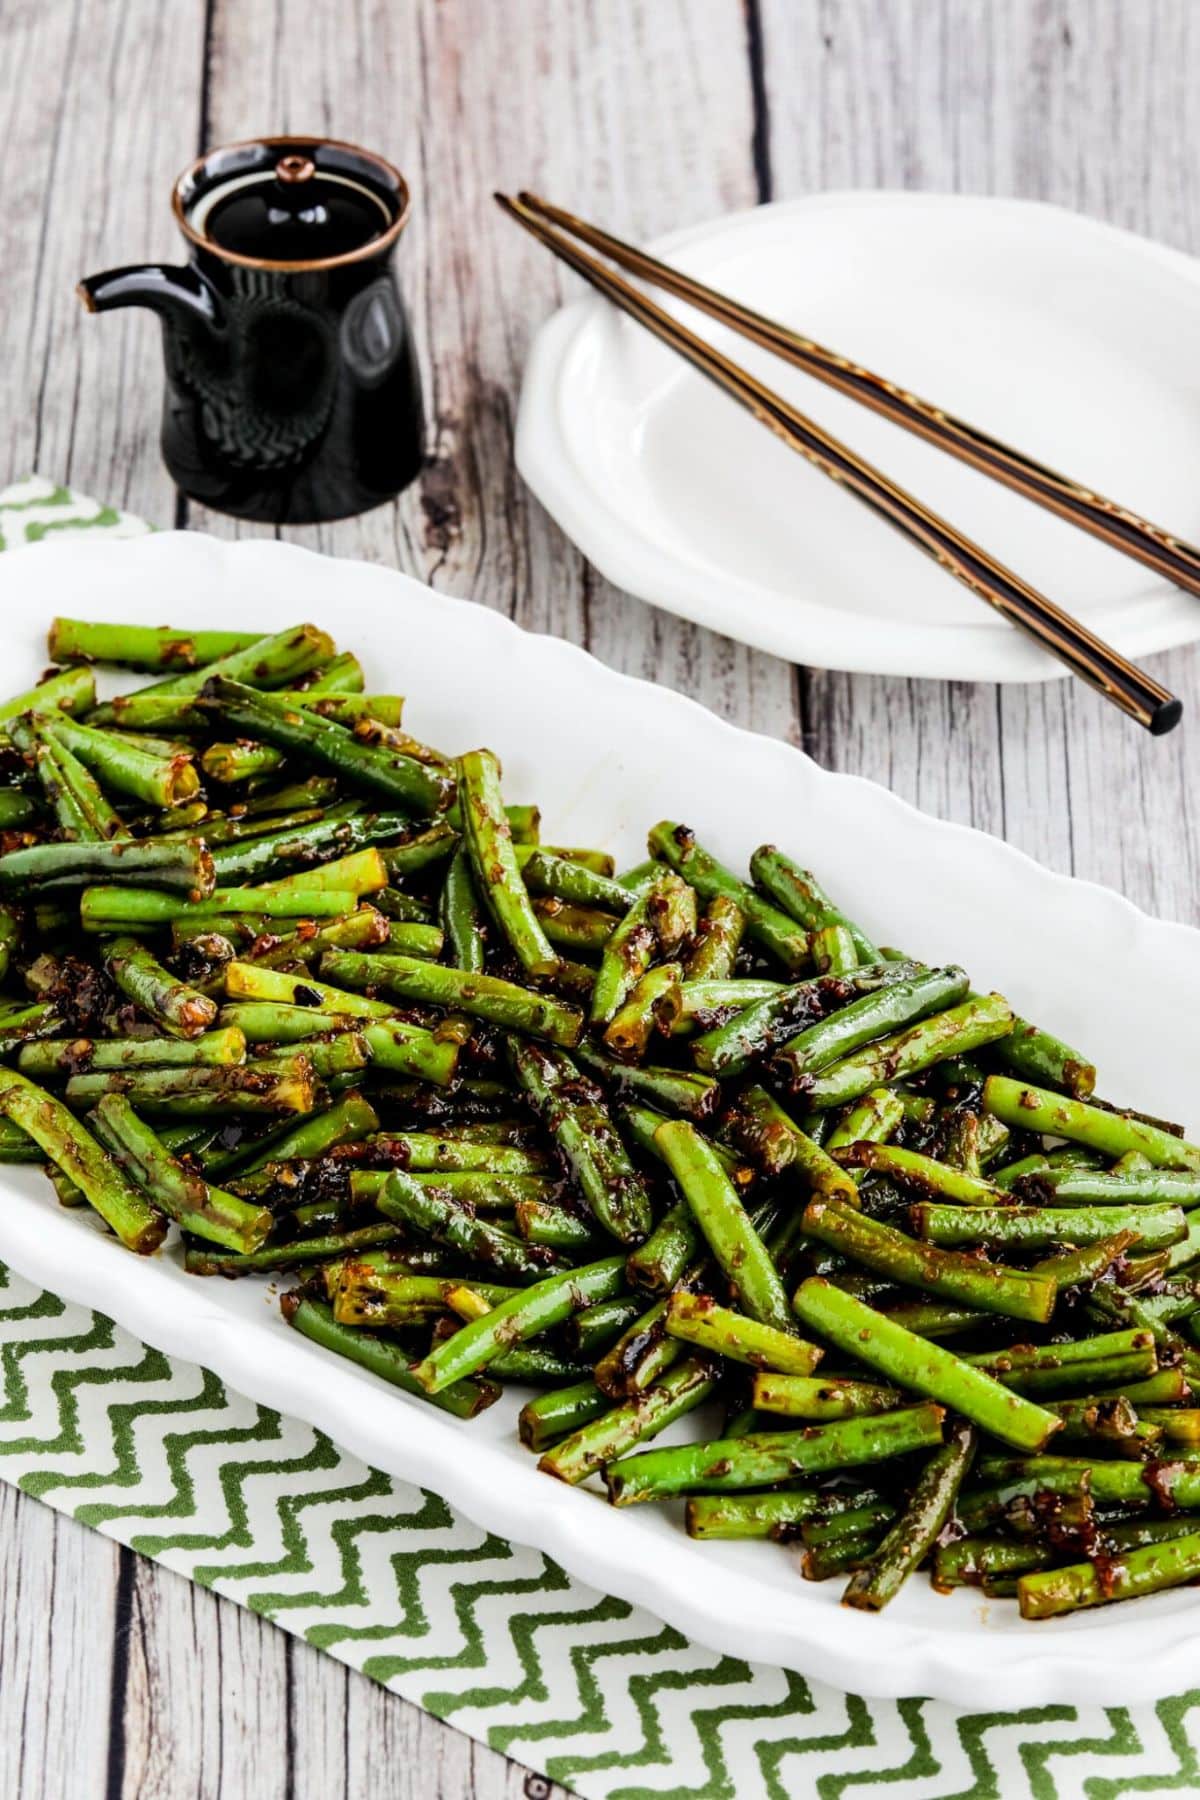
(303, 149)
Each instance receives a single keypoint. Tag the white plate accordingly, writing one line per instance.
(607, 756)
(1067, 338)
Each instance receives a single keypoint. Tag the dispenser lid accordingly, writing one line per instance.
(291, 203)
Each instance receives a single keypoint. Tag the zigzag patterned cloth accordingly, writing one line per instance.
(491, 1637)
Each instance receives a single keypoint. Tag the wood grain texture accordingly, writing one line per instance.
(645, 114)
(1082, 103)
(58, 1618)
(99, 104)
(217, 1703)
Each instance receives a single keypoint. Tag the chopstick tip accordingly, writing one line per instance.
(1166, 717)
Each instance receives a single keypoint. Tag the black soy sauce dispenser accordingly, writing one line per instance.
(292, 388)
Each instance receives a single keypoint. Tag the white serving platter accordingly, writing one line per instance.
(1065, 337)
(606, 756)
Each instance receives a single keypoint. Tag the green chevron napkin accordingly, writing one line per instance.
(494, 1638)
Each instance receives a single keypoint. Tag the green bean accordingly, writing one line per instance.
(797, 892)
(70, 1056)
(478, 1188)
(1045, 1227)
(341, 1054)
(494, 866)
(346, 1121)
(1098, 1187)
(640, 1124)
(542, 1222)
(914, 1535)
(69, 691)
(640, 935)
(700, 1320)
(672, 1090)
(1084, 1266)
(501, 1003)
(969, 1561)
(184, 865)
(950, 1275)
(142, 646)
(706, 1004)
(409, 1049)
(719, 931)
(205, 1211)
(751, 1034)
(427, 1213)
(652, 1004)
(295, 1254)
(597, 1328)
(640, 1355)
(430, 1152)
(896, 995)
(315, 1321)
(573, 1111)
(910, 1169)
(548, 1417)
(922, 1366)
(171, 1003)
(16, 809)
(108, 909)
(760, 1127)
(537, 1309)
(766, 924)
(871, 1120)
(736, 1246)
(583, 929)
(1036, 1368)
(1048, 1593)
(775, 1515)
(158, 780)
(833, 949)
(200, 1092)
(829, 1397)
(960, 1029)
(107, 1189)
(761, 1459)
(80, 805)
(401, 778)
(1035, 1109)
(1034, 1055)
(462, 915)
(634, 1421)
(564, 879)
(240, 761)
(658, 1263)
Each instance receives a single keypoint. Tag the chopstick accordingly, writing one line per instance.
(1132, 690)
(1114, 524)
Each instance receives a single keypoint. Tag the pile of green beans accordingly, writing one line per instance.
(656, 1144)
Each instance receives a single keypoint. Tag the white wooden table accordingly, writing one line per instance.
(117, 1679)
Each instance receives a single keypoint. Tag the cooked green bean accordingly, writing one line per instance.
(450, 1058)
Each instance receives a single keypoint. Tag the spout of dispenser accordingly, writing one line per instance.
(171, 291)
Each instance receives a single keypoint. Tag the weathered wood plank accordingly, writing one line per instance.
(99, 109)
(206, 1697)
(57, 1615)
(638, 114)
(219, 1702)
(1026, 100)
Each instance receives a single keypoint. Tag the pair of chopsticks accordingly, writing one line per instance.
(1088, 656)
